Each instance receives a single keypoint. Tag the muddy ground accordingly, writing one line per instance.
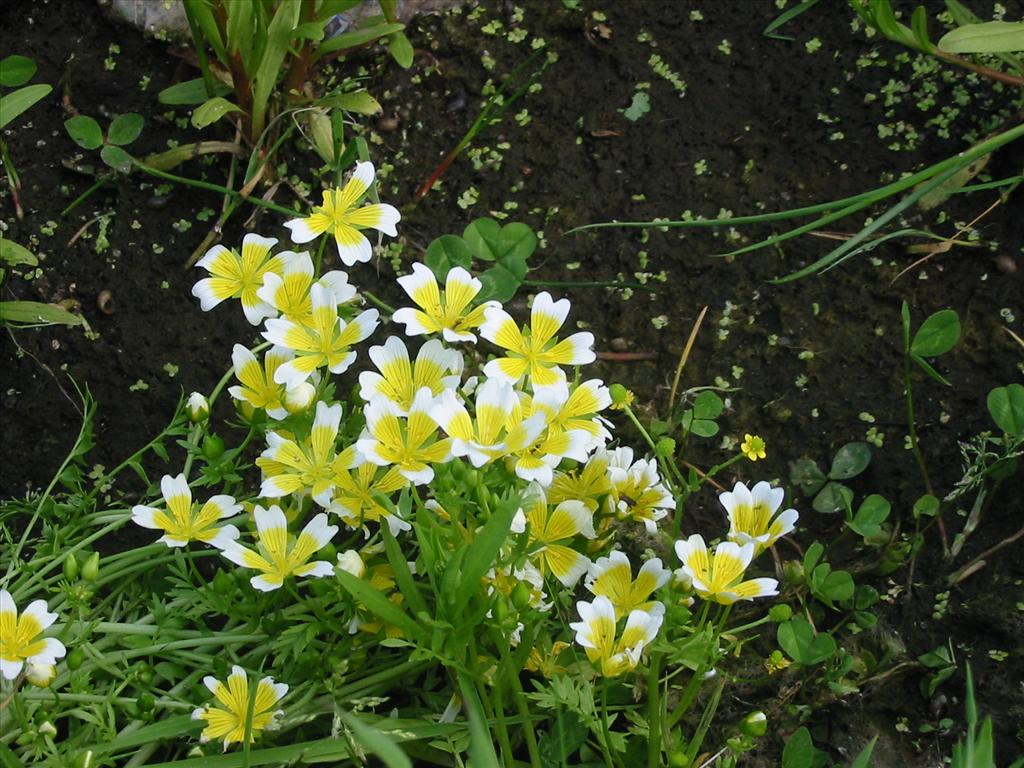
(737, 122)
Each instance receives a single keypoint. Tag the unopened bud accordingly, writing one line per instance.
(198, 408)
(41, 675)
(91, 569)
(521, 595)
(780, 613)
(71, 567)
(666, 447)
(299, 398)
(350, 562)
(48, 729)
(754, 725)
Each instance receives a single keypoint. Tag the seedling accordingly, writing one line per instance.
(15, 71)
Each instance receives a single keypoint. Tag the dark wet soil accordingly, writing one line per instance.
(763, 125)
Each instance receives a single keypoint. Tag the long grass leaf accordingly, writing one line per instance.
(481, 746)
(376, 742)
(786, 17)
(377, 603)
(483, 551)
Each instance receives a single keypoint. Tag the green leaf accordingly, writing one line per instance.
(699, 427)
(446, 252)
(376, 742)
(873, 511)
(850, 461)
(125, 129)
(16, 70)
(84, 131)
(501, 281)
(639, 107)
(13, 104)
(357, 38)
(116, 158)
(1006, 407)
(190, 92)
(16, 255)
(987, 37)
(863, 759)
(377, 603)
(360, 102)
(707, 405)
(403, 576)
(925, 366)
(36, 313)
(401, 49)
(806, 475)
(831, 586)
(926, 506)
(482, 237)
(799, 751)
(516, 241)
(212, 110)
(796, 637)
(833, 498)
(813, 555)
(481, 555)
(481, 745)
(937, 334)
(279, 33)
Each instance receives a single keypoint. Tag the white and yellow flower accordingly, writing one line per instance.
(577, 409)
(549, 530)
(278, 554)
(325, 343)
(341, 217)
(720, 577)
(310, 466)
(536, 460)
(487, 436)
(637, 491)
(436, 368)
(182, 521)
(596, 633)
(533, 351)
(752, 515)
(410, 443)
(289, 292)
(450, 314)
(612, 577)
(235, 276)
(355, 500)
(589, 483)
(21, 640)
(228, 721)
(258, 387)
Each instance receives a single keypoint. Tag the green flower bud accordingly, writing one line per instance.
(666, 447)
(71, 567)
(213, 447)
(678, 759)
(198, 408)
(501, 609)
(521, 595)
(75, 659)
(780, 613)
(143, 673)
(91, 569)
(146, 701)
(793, 572)
(619, 393)
(754, 725)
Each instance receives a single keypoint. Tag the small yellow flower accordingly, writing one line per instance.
(753, 447)
(229, 720)
(20, 636)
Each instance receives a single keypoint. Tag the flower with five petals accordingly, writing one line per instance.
(182, 521)
(450, 315)
(239, 277)
(21, 640)
(228, 721)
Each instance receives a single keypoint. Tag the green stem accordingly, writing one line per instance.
(82, 197)
(378, 303)
(213, 188)
(606, 738)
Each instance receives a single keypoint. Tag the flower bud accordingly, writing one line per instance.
(351, 562)
(213, 447)
(666, 447)
(91, 569)
(618, 393)
(198, 408)
(41, 675)
(48, 729)
(780, 613)
(754, 725)
(521, 595)
(299, 398)
(71, 567)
